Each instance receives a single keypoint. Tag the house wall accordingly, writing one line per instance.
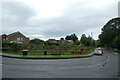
(18, 38)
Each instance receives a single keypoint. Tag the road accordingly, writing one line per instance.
(105, 66)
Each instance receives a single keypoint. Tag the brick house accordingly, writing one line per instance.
(16, 37)
(52, 41)
(61, 41)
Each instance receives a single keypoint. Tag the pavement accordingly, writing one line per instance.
(11, 55)
(105, 66)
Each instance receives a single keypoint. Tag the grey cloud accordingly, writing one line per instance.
(80, 17)
(119, 8)
(77, 18)
(17, 8)
(15, 15)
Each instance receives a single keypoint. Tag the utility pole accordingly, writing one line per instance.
(91, 40)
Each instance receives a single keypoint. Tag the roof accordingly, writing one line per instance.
(16, 33)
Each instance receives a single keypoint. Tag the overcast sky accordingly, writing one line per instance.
(46, 19)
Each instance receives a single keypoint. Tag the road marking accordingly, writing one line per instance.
(81, 66)
(108, 58)
(116, 53)
(94, 65)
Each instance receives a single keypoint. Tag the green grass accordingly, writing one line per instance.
(40, 53)
(35, 53)
(16, 53)
(89, 51)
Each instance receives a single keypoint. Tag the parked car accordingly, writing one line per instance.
(98, 51)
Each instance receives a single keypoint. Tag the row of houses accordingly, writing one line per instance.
(18, 37)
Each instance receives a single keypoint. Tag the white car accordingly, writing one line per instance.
(98, 51)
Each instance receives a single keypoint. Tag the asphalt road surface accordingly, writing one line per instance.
(105, 66)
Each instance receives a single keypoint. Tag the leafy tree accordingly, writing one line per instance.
(71, 37)
(36, 41)
(98, 43)
(36, 44)
(110, 33)
(116, 42)
(68, 37)
(77, 42)
(83, 39)
(87, 41)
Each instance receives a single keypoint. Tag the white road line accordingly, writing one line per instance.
(94, 65)
(116, 53)
(108, 58)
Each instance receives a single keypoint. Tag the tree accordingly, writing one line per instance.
(110, 33)
(87, 41)
(116, 42)
(36, 41)
(36, 44)
(71, 37)
(68, 37)
(83, 39)
(77, 42)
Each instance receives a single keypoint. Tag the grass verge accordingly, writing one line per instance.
(39, 55)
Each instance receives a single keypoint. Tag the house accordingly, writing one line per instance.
(70, 41)
(16, 37)
(52, 41)
(61, 41)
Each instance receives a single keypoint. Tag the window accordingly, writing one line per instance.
(18, 39)
(21, 39)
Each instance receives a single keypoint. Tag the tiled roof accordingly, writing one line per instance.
(15, 33)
